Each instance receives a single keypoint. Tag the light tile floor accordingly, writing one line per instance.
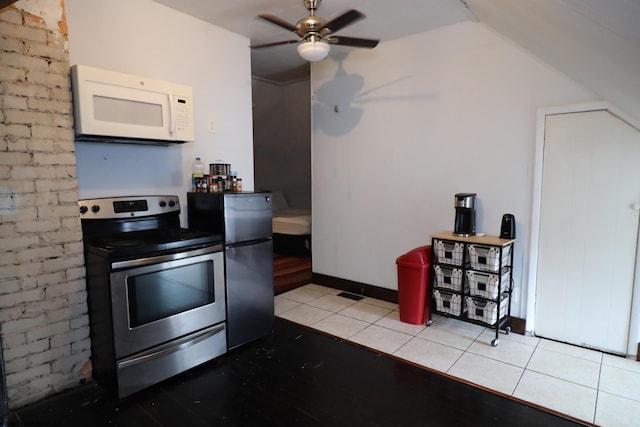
(589, 385)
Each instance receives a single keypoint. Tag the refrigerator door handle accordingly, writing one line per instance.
(247, 242)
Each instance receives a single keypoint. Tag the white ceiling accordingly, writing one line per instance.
(595, 42)
(385, 20)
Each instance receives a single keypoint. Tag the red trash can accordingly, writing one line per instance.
(413, 283)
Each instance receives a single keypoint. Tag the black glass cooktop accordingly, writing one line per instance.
(150, 242)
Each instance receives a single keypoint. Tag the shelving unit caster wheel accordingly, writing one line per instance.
(495, 342)
(507, 330)
(429, 322)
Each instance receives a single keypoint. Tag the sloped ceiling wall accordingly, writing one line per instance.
(595, 42)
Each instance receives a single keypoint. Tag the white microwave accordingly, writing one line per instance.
(115, 107)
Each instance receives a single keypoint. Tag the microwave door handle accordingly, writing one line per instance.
(172, 122)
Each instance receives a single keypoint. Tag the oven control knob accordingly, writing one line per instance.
(163, 203)
(172, 203)
(83, 209)
(95, 208)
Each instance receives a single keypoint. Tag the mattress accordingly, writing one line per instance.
(292, 221)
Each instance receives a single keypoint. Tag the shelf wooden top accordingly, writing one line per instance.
(481, 240)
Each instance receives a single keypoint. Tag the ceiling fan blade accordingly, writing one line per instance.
(258, 46)
(278, 21)
(352, 41)
(343, 20)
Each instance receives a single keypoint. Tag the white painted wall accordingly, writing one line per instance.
(144, 38)
(420, 119)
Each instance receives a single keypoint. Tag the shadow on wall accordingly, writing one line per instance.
(335, 101)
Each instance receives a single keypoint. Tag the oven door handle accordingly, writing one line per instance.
(165, 258)
(169, 348)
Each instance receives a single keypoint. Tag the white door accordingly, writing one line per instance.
(588, 230)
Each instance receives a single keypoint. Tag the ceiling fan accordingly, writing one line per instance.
(316, 34)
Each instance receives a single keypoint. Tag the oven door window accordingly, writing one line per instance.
(161, 294)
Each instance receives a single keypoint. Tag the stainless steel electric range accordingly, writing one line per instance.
(156, 291)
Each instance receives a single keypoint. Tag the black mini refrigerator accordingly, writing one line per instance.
(245, 221)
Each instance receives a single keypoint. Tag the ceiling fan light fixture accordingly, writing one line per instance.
(313, 50)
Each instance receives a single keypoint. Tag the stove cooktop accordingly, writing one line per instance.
(151, 242)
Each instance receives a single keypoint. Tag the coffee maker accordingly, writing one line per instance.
(465, 204)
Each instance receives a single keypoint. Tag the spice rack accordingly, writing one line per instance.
(471, 279)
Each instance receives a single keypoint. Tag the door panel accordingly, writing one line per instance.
(247, 216)
(588, 230)
(250, 303)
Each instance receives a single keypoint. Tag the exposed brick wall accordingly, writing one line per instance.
(43, 311)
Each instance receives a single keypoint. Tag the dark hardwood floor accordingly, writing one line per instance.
(295, 377)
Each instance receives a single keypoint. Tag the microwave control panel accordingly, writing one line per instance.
(182, 114)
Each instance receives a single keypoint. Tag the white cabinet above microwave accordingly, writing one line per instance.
(115, 107)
